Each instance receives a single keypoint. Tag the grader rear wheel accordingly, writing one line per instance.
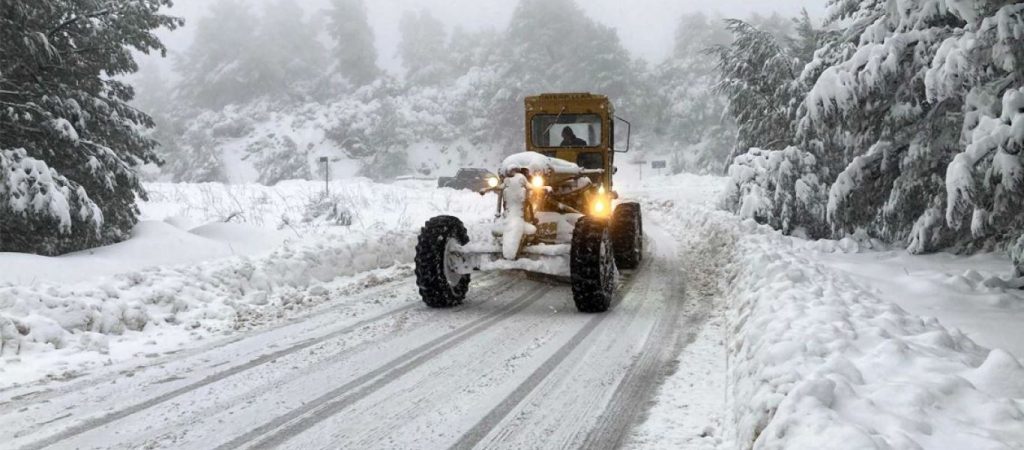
(628, 235)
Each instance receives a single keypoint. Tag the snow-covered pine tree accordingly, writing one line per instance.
(239, 56)
(688, 113)
(903, 96)
(982, 66)
(288, 57)
(552, 46)
(354, 53)
(69, 138)
(218, 68)
(423, 49)
(897, 140)
(759, 74)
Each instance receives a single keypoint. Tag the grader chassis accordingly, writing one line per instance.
(555, 211)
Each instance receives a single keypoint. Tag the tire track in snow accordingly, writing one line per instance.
(629, 401)
(110, 417)
(15, 402)
(489, 422)
(279, 430)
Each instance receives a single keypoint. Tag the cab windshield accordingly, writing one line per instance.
(566, 130)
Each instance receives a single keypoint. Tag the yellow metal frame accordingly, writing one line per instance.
(575, 103)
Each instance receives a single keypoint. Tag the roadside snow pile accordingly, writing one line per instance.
(301, 208)
(818, 361)
(262, 253)
(212, 295)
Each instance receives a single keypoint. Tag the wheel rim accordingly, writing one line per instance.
(450, 274)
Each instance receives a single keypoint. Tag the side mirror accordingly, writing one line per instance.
(629, 134)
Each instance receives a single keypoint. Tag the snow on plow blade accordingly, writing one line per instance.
(543, 258)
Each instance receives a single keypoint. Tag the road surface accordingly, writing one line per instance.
(515, 367)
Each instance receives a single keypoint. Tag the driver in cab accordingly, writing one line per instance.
(569, 139)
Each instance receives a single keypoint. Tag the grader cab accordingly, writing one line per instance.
(557, 211)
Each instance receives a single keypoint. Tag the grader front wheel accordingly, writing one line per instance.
(440, 286)
(592, 266)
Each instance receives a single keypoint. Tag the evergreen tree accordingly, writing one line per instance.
(354, 52)
(552, 46)
(218, 69)
(757, 76)
(423, 49)
(761, 79)
(66, 122)
(238, 56)
(288, 56)
(902, 96)
(689, 114)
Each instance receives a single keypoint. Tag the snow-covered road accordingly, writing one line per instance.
(515, 367)
(730, 335)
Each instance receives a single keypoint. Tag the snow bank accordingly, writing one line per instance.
(262, 252)
(152, 243)
(216, 295)
(818, 361)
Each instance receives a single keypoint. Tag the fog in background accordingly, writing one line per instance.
(645, 27)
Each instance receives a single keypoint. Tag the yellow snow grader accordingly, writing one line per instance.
(557, 214)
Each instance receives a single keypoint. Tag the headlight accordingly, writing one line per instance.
(492, 182)
(537, 181)
(600, 207)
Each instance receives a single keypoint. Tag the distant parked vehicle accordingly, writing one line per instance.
(471, 179)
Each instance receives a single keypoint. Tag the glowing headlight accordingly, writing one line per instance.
(537, 181)
(599, 207)
(492, 182)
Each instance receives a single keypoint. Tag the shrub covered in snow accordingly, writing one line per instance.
(780, 188)
(1017, 255)
(43, 212)
(329, 209)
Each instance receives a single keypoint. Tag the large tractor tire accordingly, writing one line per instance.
(628, 235)
(592, 266)
(440, 287)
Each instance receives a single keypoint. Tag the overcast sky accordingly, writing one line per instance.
(645, 26)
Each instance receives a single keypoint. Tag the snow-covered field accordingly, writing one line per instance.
(770, 341)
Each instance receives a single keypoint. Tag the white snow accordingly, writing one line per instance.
(818, 360)
(976, 294)
(185, 275)
(536, 163)
(513, 224)
(825, 347)
(804, 344)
